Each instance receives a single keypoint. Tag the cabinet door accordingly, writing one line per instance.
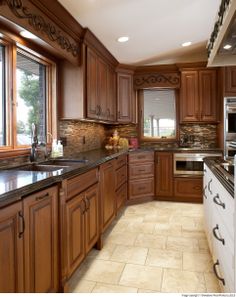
(102, 89)
(11, 249)
(107, 181)
(188, 189)
(141, 188)
(207, 95)
(230, 81)
(164, 174)
(91, 217)
(75, 245)
(92, 75)
(41, 241)
(189, 97)
(124, 98)
(111, 95)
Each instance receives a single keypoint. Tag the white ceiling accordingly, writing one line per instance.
(156, 28)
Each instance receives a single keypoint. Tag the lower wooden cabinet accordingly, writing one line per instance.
(107, 186)
(41, 241)
(188, 189)
(11, 249)
(164, 174)
(141, 188)
(121, 196)
(82, 226)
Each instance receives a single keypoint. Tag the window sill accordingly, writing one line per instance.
(11, 153)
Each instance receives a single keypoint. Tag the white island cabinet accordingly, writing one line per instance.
(220, 228)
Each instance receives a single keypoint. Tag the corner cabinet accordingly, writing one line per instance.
(198, 96)
(125, 97)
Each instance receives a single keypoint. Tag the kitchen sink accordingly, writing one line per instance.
(42, 167)
(65, 162)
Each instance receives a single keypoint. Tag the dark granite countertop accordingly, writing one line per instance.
(15, 183)
(218, 169)
(179, 149)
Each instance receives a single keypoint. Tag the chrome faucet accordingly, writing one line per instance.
(34, 143)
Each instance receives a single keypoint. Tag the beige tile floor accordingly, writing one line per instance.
(152, 247)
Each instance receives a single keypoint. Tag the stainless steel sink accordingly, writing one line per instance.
(42, 167)
(65, 162)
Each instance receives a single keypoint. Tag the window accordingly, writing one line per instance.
(2, 97)
(31, 99)
(158, 114)
(28, 92)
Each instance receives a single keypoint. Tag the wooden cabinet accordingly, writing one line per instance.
(120, 181)
(107, 185)
(141, 176)
(41, 241)
(11, 249)
(164, 175)
(125, 98)
(188, 189)
(230, 81)
(80, 217)
(101, 88)
(198, 96)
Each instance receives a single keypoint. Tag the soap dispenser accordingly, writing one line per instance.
(60, 148)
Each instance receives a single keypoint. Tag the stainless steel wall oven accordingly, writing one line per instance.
(229, 127)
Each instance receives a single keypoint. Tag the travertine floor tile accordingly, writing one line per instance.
(82, 286)
(155, 218)
(105, 288)
(197, 262)
(182, 244)
(183, 221)
(105, 253)
(183, 282)
(123, 238)
(143, 227)
(167, 229)
(151, 241)
(203, 245)
(164, 258)
(102, 271)
(147, 291)
(143, 277)
(212, 283)
(130, 254)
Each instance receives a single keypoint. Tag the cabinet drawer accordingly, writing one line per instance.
(141, 170)
(141, 157)
(81, 182)
(188, 187)
(120, 161)
(141, 187)
(121, 196)
(121, 176)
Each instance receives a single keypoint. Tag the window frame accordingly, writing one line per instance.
(11, 49)
(142, 138)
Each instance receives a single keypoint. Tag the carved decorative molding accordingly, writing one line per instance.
(157, 80)
(221, 13)
(39, 23)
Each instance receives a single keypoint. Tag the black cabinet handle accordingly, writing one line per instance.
(217, 236)
(22, 220)
(209, 188)
(217, 201)
(216, 273)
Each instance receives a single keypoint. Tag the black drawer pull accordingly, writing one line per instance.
(42, 197)
(204, 192)
(216, 236)
(217, 201)
(21, 216)
(209, 188)
(216, 273)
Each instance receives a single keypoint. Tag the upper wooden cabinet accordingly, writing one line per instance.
(230, 81)
(198, 96)
(125, 97)
(101, 88)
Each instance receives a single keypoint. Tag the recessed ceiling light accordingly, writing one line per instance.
(123, 39)
(227, 46)
(27, 34)
(188, 43)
